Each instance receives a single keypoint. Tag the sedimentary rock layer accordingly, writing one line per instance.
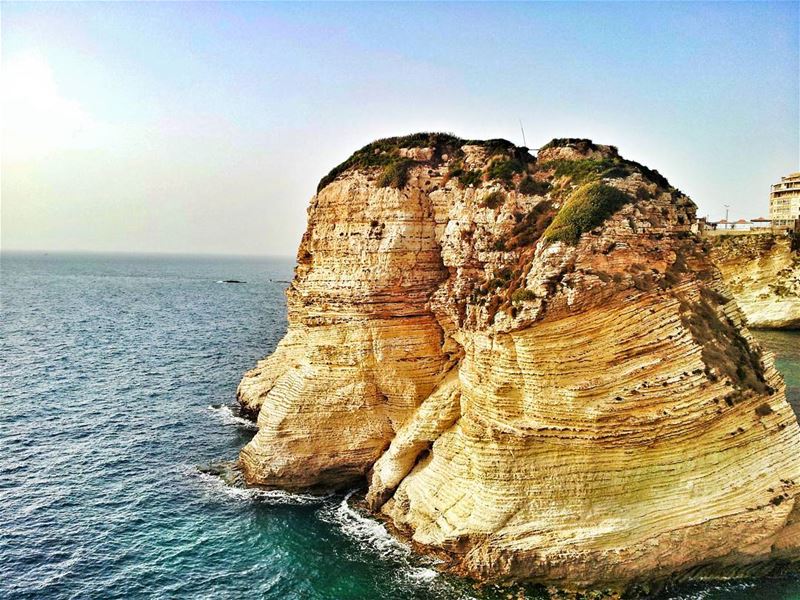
(762, 271)
(532, 365)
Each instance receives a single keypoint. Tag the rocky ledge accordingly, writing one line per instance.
(762, 272)
(532, 366)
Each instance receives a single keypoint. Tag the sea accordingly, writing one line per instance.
(118, 377)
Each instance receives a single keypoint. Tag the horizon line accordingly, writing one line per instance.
(142, 253)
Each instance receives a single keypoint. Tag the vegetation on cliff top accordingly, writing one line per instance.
(580, 144)
(612, 165)
(386, 152)
(395, 173)
(509, 161)
(505, 169)
(581, 171)
(585, 209)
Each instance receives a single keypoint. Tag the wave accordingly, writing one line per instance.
(711, 591)
(423, 573)
(230, 417)
(371, 535)
(367, 532)
(250, 494)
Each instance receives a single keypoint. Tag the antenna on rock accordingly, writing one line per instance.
(524, 143)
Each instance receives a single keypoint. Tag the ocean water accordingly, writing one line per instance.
(117, 379)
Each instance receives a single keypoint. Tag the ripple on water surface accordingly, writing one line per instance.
(118, 376)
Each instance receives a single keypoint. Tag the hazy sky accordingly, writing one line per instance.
(169, 127)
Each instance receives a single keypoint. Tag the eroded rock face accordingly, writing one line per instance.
(763, 274)
(533, 366)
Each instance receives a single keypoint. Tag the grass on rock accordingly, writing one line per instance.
(493, 199)
(469, 178)
(395, 174)
(384, 152)
(505, 169)
(581, 171)
(522, 295)
(584, 210)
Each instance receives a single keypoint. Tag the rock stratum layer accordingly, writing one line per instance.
(532, 365)
(762, 271)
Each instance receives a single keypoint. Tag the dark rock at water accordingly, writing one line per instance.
(225, 470)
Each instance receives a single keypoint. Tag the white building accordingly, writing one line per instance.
(761, 223)
(742, 225)
(784, 201)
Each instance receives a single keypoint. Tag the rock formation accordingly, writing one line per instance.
(532, 365)
(762, 272)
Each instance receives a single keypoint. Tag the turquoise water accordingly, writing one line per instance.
(117, 377)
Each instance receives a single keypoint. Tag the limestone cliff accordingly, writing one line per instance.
(532, 365)
(762, 273)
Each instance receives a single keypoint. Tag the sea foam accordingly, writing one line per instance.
(229, 417)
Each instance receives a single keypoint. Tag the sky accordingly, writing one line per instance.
(205, 127)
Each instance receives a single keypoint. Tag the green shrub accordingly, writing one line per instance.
(522, 295)
(504, 169)
(425, 139)
(530, 187)
(605, 167)
(468, 178)
(382, 152)
(584, 210)
(455, 170)
(501, 279)
(395, 174)
(581, 171)
(494, 146)
(493, 199)
(495, 282)
(582, 144)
